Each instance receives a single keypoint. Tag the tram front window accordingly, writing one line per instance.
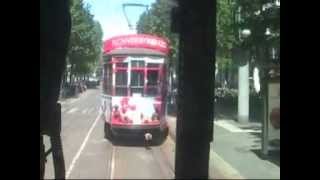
(121, 83)
(152, 78)
(137, 82)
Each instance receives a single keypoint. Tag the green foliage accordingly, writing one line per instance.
(157, 21)
(85, 40)
(257, 19)
(225, 28)
(225, 34)
(251, 16)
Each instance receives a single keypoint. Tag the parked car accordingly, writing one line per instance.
(92, 82)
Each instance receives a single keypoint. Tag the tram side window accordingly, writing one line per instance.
(152, 84)
(107, 79)
(121, 83)
(152, 78)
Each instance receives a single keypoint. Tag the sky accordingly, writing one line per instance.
(111, 17)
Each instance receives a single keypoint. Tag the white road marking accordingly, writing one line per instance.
(112, 163)
(76, 157)
(72, 110)
(90, 110)
(232, 128)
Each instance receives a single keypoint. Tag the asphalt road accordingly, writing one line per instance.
(89, 156)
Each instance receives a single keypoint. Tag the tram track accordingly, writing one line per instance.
(137, 161)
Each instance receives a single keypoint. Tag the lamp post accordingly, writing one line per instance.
(243, 80)
(241, 55)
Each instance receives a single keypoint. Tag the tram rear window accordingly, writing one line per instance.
(152, 78)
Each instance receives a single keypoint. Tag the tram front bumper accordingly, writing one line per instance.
(137, 130)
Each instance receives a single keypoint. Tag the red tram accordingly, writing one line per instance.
(135, 86)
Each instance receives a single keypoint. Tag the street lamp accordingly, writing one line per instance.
(256, 79)
(268, 32)
(246, 33)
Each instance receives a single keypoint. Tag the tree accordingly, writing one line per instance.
(226, 40)
(253, 16)
(85, 40)
(225, 33)
(157, 21)
(258, 16)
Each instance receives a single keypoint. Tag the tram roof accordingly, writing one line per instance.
(136, 44)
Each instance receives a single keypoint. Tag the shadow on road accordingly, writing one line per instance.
(256, 134)
(273, 156)
(255, 128)
(136, 142)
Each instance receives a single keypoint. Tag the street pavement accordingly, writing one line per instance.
(235, 152)
(89, 156)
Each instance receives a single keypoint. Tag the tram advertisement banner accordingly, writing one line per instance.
(273, 115)
(137, 41)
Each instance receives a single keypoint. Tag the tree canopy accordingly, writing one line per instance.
(157, 21)
(85, 40)
(225, 33)
(256, 15)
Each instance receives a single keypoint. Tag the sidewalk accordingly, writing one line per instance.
(236, 152)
